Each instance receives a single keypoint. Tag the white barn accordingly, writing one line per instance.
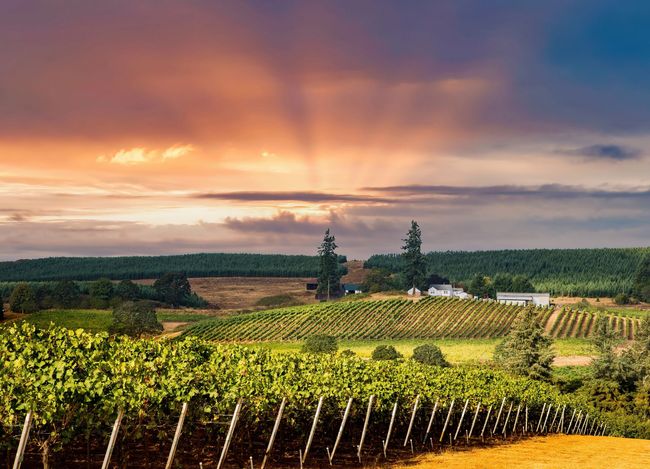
(447, 290)
(414, 291)
(524, 299)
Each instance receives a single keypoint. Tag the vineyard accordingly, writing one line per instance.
(90, 398)
(431, 317)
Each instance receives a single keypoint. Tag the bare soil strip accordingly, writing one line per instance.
(557, 451)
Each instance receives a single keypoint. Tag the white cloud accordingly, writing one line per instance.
(140, 155)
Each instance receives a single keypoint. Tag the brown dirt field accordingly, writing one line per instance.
(604, 302)
(557, 451)
(573, 360)
(169, 326)
(356, 273)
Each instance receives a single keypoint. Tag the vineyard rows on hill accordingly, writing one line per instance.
(76, 383)
(429, 318)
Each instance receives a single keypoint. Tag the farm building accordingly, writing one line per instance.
(414, 291)
(312, 285)
(351, 288)
(447, 291)
(525, 299)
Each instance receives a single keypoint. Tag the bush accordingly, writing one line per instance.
(135, 318)
(284, 299)
(66, 294)
(429, 354)
(2, 308)
(320, 344)
(173, 288)
(347, 353)
(22, 299)
(622, 299)
(385, 352)
(127, 290)
(101, 292)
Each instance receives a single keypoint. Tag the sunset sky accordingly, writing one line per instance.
(163, 127)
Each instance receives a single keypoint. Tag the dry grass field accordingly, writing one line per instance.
(557, 451)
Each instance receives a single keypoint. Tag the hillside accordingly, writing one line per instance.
(142, 267)
(567, 272)
(431, 317)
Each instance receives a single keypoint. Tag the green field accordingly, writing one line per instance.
(455, 350)
(96, 320)
(429, 318)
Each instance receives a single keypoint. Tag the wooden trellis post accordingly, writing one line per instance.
(276, 427)
(24, 436)
(177, 436)
(478, 407)
(313, 430)
(505, 424)
(365, 426)
(548, 413)
(541, 416)
(444, 429)
(415, 409)
(433, 413)
(514, 425)
(496, 424)
(340, 434)
(526, 423)
(591, 429)
(568, 428)
(111, 442)
(550, 428)
(487, 418)
(460, 422)
(390, 428)
(229, 435)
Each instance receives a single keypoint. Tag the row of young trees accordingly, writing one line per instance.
(172, 289)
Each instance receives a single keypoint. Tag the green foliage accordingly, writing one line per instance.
(134, 319)
(482, 287)
(66, 294)
(378, 280)
(83, 378)
(526, 350)
(429, 354)
(101, 292)
(414, 265)
(562, 272)
(173, 288)
(283, 299)
(2, 308)
(126, 290)
(140, 267)
(347, 353)
(386, 352)
(641, 286)
(22, 299)
(320, 344)
(329, 275)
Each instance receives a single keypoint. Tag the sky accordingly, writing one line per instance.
(165, 127)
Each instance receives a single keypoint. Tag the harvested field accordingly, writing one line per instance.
(557, 451)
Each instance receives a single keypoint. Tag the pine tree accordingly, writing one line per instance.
(526, 350)
(414, 262)
(329, 277)
(642, 280)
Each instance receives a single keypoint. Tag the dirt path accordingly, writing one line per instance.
(551, 320)
(557, 451)
(573, 360)
(169, 326)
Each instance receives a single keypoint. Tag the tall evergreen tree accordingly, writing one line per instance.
(329, 276)
(526, 350)
(415, 266)
(642, 280)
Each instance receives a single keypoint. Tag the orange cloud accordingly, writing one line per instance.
(141, 155)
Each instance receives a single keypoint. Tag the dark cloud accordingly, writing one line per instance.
(298, 196)
(605, 152)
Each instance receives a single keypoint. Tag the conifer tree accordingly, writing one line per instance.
(414, 262)
(526, 350)
(329, 277)
(642, 280)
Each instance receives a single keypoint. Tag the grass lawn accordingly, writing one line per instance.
(455, 350)
(97, 320)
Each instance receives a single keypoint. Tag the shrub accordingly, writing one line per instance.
(284, 299)
(66, 294)
(429, 354)
(320, 343)
(101, 291)
(173, 288)
(622, 299)
(385, 352)
(127, 290)
(22, 299)
(135, 318)
(347, 353)
(2, 308)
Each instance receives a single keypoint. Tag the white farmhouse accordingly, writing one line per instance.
(525, 299)
(447, 291)
(414, 291)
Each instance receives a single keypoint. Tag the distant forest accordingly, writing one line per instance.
(139, 267)
(569, 272)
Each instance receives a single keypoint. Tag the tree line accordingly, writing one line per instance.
(571, 272)
(171, 289)
(140, 267)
